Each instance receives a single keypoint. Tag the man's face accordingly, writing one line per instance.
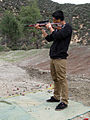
(56, 21)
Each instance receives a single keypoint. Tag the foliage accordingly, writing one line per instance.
(77, 15)
(3, 48)
(30, 15)
(13, 27)
(17, 36)
(10, 28)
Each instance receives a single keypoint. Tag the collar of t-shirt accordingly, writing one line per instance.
(62, 27)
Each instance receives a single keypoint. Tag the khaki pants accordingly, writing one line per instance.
(58, 73)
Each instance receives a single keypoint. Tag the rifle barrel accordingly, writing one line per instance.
(42, 24)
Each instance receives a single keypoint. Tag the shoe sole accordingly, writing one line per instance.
(52, 101)
(60, 109)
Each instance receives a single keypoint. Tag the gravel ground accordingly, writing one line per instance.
(27, 75)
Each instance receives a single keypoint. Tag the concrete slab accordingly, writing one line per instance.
(33, 106)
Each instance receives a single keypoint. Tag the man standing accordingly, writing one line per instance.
(61, 37)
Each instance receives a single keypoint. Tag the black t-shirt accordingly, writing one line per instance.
(61, 40)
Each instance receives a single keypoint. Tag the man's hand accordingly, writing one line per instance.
(49, 26)
(44, 34)
(38, 27)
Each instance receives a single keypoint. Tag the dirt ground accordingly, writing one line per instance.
(32, 72)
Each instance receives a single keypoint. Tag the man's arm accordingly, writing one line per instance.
(44, 33)
(49, 27)
(40, 28)
(63, 33)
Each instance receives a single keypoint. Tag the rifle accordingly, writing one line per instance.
(41, 23)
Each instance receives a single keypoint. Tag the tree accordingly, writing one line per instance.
(10, 29)
(30, 15)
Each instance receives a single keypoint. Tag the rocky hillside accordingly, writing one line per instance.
(77, 15)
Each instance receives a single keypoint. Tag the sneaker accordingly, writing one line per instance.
(61, 106)
(52, 99)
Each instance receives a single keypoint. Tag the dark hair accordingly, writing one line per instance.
(58, 15)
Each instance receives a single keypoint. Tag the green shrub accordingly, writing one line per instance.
(3, 48)
(10, 28)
